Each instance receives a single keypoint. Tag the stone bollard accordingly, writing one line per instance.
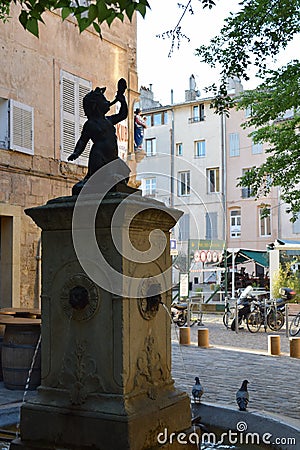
(295, 347)
(203, 337)
(274, 344)
(184, 335)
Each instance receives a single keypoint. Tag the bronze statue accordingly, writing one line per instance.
(100, 129)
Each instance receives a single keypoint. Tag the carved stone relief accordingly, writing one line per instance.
(150, 372)
(79, 374)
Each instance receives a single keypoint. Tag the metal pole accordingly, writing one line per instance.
(233, 276)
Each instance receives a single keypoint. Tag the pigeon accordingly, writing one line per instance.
(197, 390)
(242, 396)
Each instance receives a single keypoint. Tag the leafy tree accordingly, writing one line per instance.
(86, 12)
(94, 13)
(252, 37)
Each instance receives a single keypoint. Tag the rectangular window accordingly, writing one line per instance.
(4, 128)
(264, 223)
(200, 149)
(234, 144)
(157, 119)
(296, 225)
(165, 117)
(213, 178)
(184, 183)
(211, 220)
(179, 149)
(184, 228)
(248, 112)
(148, 121)
(73, 89)
(235, 223)
(16, 126)
(149, 186)
(246, 191)
(151, 147)
(197, 113)
(256, 149)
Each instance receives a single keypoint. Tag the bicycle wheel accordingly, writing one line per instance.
(295, 326)
(228, 317)
(254, 321)
(275, 320)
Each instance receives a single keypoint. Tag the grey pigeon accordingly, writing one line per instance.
(242, 396)
(197, 390)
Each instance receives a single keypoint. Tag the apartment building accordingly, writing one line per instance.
(193, 160)
(42, 83)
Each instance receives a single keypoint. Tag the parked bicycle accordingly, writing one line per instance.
(264, 314)
(295, 325)
(243, 307)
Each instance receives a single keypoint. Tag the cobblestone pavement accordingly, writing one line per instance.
(231, 358)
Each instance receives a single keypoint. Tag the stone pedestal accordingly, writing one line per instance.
(106, 358)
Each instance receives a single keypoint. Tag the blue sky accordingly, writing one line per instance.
(166, 73)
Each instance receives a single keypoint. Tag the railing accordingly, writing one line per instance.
(196, 119)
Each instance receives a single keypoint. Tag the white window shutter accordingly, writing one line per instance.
(73, 89)
(83, 90)
(21, 127)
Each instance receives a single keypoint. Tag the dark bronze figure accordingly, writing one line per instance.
(100, 129)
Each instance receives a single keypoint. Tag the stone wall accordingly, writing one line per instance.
(28, 181)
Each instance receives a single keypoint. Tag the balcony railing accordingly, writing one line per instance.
(196, 119)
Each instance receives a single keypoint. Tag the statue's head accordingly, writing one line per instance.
(95, 102)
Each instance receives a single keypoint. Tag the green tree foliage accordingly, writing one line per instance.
(94, 13)
(252, 37)
(285, 277)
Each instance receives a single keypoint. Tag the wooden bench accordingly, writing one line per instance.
(291, 310)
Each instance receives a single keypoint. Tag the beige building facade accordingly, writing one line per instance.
(205, 154)
(42, 83)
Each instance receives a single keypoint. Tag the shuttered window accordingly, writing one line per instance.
(73, 89)
(184, 228)
(21, 127)
(211, 220)
(234, 144)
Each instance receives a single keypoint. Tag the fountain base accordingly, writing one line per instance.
(106, 344)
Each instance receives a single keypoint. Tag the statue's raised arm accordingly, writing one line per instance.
(100, 129)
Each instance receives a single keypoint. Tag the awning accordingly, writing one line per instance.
(243, 256)
(259, 257)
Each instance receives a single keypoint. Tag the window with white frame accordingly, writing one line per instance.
(257, 148)
(150, 147)
(213, 179)
(235, 223)
(200, 148)
(156, 119)
(234, 144)
(179, 149)
(149, 186)
(184, 179)
(73, 89)
(264, 221)
(197, 113)
(16, 126)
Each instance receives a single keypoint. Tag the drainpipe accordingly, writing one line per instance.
(172, 144)
(224, 196)
(279, 214)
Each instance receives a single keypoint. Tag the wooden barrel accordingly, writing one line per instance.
(19, 344)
